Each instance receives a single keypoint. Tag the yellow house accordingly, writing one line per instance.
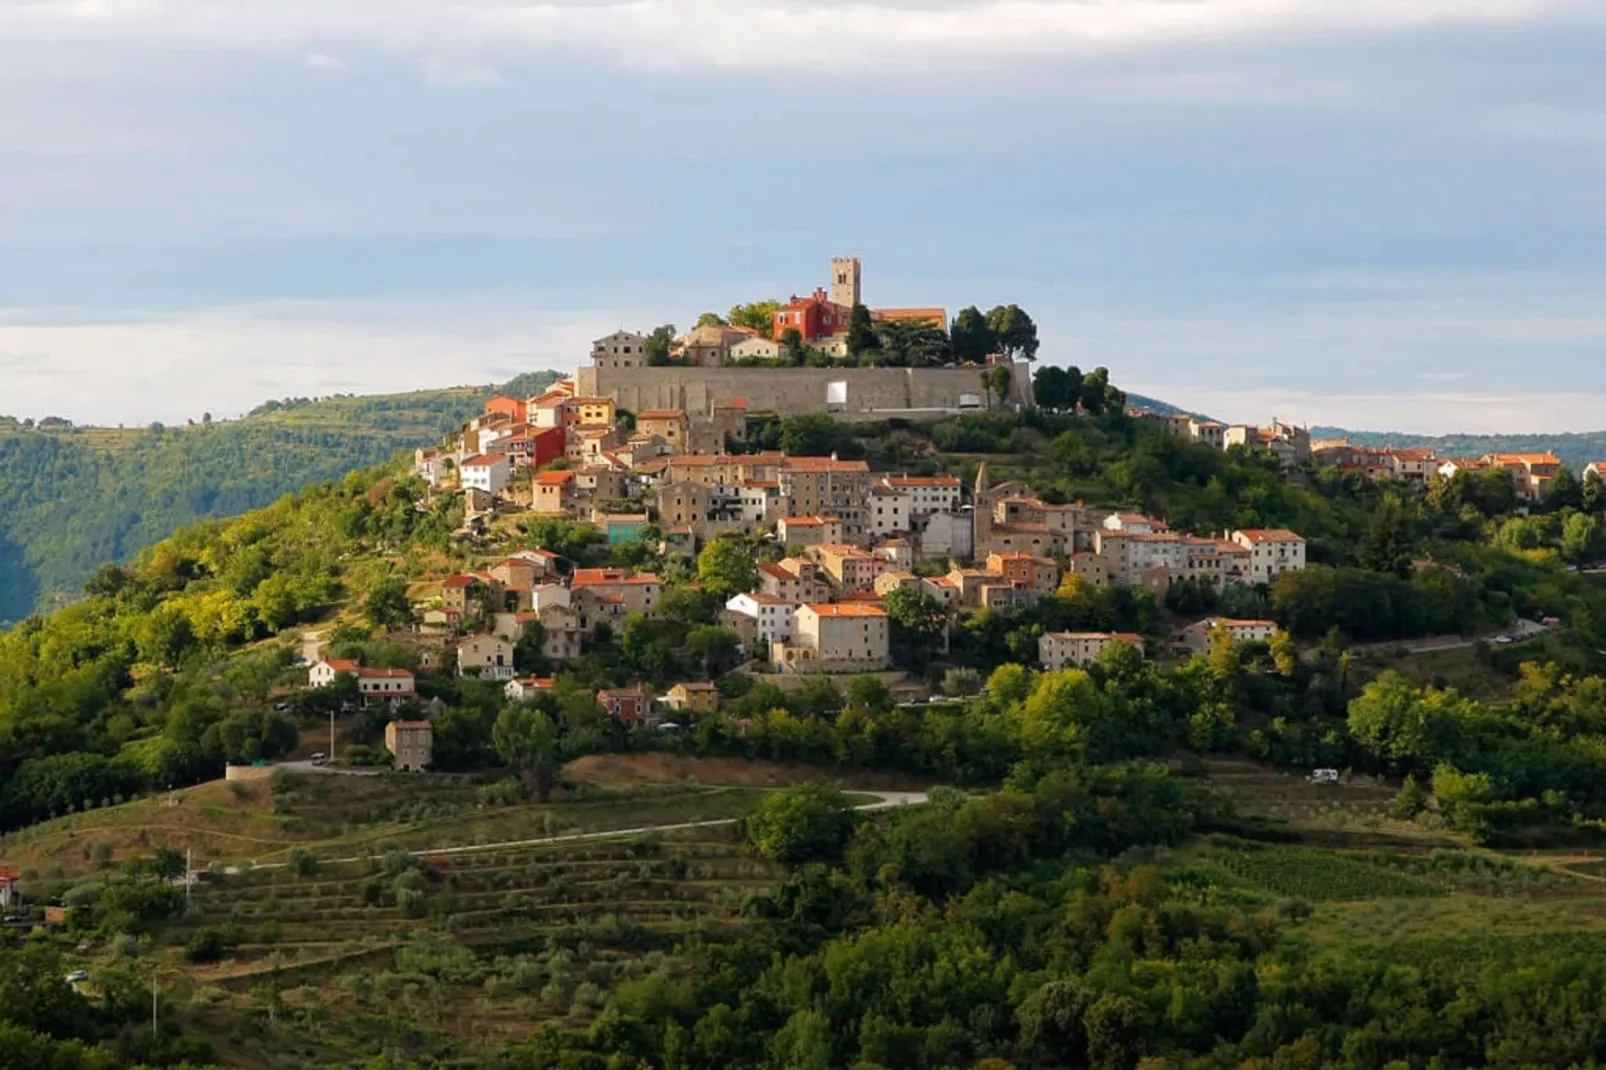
(590, 412)
(702, 697)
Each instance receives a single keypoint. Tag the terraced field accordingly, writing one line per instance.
(436, 952)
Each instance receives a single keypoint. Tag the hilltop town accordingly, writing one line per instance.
(837, 552)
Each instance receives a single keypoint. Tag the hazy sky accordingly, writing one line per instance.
(1375, 213)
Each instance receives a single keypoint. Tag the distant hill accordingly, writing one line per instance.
(1575, 450)
(73, 499)
(1164, 408)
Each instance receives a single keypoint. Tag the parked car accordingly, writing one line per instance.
(77, 976)
(320, 758)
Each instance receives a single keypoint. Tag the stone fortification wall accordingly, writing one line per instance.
(791, 391)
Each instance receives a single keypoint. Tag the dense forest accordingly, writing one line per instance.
(73, 499)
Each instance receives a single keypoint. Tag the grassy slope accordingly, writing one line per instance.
(74, 499)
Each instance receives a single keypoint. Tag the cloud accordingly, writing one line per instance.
(865, 37)
(458, 74)
(1534, 122)
(138, 367)
(319, 61)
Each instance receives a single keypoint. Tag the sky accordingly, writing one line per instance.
(1365, 213)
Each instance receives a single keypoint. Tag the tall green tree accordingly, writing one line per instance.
(755, 315)
(1057, 389)
(727, 567)
(387, 604)
(1014, 331)
(1387, 544)
(659, 343)
(861, 331)
(1564, 491)
(527, 740)
(972, 339)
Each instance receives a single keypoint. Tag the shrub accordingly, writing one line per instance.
(205, 946)
(302, 862)
(411, 902)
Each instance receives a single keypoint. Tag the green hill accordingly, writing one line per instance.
(73, 499)
(1143, 874)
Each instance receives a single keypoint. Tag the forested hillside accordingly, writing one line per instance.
(73, 499)
(1116, 866)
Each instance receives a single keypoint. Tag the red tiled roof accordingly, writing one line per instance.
(922, 481)
(849, 609)
(481, 460)
(384, 674)
(1270, 535)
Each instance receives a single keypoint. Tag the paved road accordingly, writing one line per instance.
(330, 770)
(884, 800)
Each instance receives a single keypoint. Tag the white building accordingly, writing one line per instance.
(772, 617)
(1272, 551)
(925, 494)
(889, 511)
(1196, 636)
(526, 688)
(488, 472)
(1057, 650)
(756, 346)
(371, 683)
(949, 534)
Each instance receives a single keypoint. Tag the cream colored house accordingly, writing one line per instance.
(847, 637)
(490, 654)
(1272, 551)
(1059, 650)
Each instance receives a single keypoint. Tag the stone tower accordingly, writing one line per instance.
(845, 283)
(981, 512)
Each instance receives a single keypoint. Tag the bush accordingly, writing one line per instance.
(302, 862)
(206, 946)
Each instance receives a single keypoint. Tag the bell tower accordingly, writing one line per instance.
(845, 281)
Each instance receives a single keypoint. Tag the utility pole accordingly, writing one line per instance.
(189, 877)
(155, 1029)
(331, 735)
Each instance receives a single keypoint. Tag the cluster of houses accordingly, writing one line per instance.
(1291, 445)
(1531, 473)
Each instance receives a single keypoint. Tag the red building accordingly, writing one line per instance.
(814, 317)
(536, 446)
(514, 408)
(626, 703)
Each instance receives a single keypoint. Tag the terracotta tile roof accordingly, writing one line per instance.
(824, 464)
(778, 572)
(662, 414)
(384, 674)
(922, 481)
(1270, 535)
(1125, 637)
(344, 664)
(847, 609)
(554, 479)
(480, 460)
